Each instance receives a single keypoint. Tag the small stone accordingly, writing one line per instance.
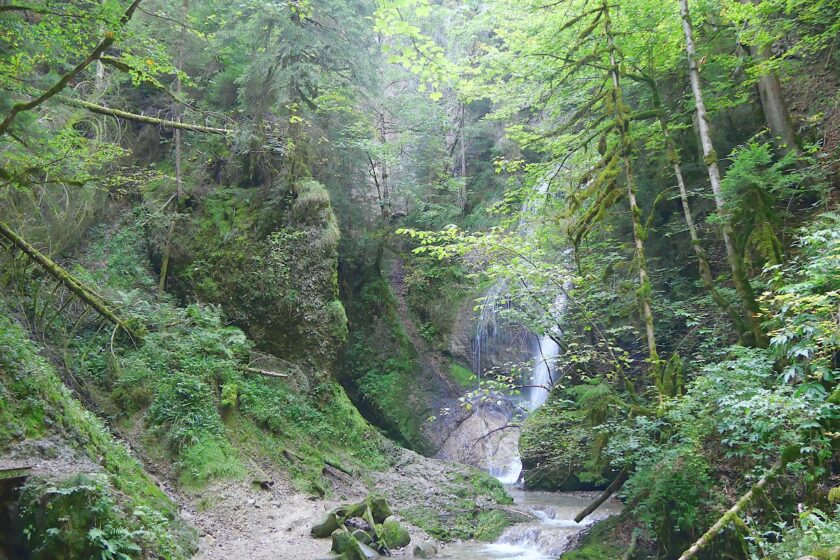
(251, 502)
(425, 550)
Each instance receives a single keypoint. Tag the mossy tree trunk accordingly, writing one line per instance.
(703, 265)
(736, 261)
(76, 287)
(731, 515)
(621, 117)
(177, 109)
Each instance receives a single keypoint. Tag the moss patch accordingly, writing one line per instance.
(380, 368)
(601, 542)
(464, 377)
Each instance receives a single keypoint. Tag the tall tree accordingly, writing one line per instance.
(710, 158)
(177, 110)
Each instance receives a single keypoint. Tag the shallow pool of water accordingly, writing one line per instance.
(544, 538)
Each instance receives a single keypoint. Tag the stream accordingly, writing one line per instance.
(495, 344)
(546, 537)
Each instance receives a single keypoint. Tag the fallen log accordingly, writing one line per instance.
(730, 515)
(265, 372)
(99, 109)
(614, 486)
(78, 289)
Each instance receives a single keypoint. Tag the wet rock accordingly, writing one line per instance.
(425, 550)
(368, 552)
(362, 536)
(394, 534)
(498, 448)
(326, 527)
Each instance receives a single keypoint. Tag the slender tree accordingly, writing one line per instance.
(674, 160)
(621, 117)
(177, 109)
(736, 260)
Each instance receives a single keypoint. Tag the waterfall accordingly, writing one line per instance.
(542, 378)
(493, 337)
(488, 330)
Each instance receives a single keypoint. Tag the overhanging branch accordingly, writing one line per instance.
(100, 49)
(99, 109)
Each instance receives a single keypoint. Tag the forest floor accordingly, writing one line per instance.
(240, 519)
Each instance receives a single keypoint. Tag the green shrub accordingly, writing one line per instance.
(76, 518)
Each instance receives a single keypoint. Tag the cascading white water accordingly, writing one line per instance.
(542, 378)
(549, 535)
(487, 331)
(493, 336)
(555, 528)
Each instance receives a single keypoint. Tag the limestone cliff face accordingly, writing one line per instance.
(271, 266)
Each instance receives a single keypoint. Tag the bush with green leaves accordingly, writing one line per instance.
(735, 416)
(814, 533)
(76, 518)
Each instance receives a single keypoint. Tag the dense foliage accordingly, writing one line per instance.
(216, 218)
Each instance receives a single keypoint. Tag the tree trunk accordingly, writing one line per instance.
(463, 133)
(116, 113)
(614, 487)
(774, 106)
(179, 187)
(739, 276)
(702, 260)
(707, 537)
(622, 120)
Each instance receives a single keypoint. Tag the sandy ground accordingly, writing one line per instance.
(242, 520)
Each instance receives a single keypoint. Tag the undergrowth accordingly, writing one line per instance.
(117, 511)
(188, 383)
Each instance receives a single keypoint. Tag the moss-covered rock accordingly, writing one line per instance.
(326, 527)
(602, 542)
(341, 540)
(272, 266)
(394, 534)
